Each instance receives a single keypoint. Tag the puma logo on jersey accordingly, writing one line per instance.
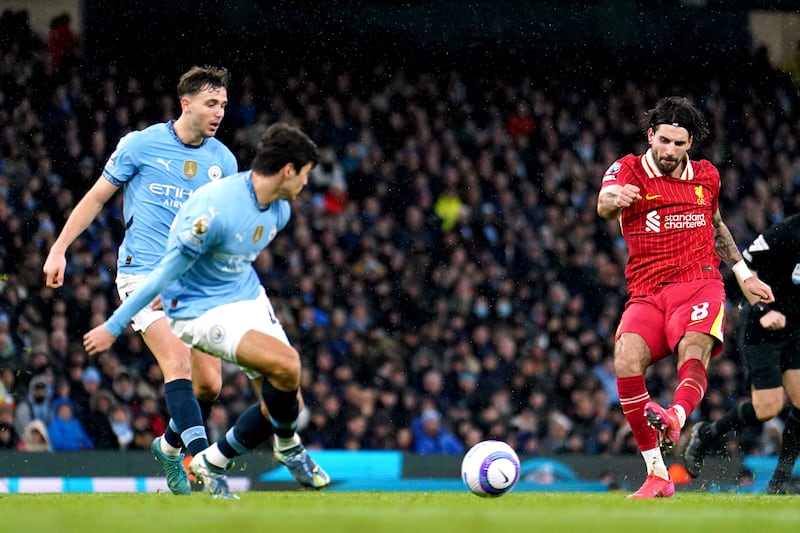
(649, 197)
(165, 163)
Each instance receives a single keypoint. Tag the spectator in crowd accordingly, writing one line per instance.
(37, 406)
(35, 438)
(431, 437)
(142, 432)
(9, 438)
(82, 392)
(120, 420)
(6, 397)
(66, 432)
(62, 42)
(217, 423)
(97, 421)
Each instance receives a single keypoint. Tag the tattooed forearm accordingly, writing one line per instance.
(724, 244)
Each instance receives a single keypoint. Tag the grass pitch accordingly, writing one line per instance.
(404, 512)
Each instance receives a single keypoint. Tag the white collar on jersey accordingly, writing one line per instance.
(649, 164)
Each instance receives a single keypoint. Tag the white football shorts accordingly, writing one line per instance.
(219, 331)
(126, 284)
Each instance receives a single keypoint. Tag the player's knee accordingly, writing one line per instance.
(286, 375)
(767, 408)
(631, 355)
(626, 365)
(206, 383)
(206, 392)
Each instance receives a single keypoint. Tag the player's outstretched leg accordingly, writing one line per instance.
(654, 487)
(302, 466)
(177, 480)
(212, 477)
(665, 421)
(695, 451)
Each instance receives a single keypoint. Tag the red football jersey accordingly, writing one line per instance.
(669, 232)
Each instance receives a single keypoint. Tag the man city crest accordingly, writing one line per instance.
(214, 172)
(216, 334)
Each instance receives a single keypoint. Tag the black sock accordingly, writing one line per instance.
(172, 436)
(742, 415)
(790, 447)
(250, 430)
(205, 408)
(283, 409)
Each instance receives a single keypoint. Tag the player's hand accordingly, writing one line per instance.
(54, 267)
(98, 340)
(773, 320)
(760, 289)
(157, 304)
(627, 195)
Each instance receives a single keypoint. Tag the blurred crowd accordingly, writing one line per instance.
(445, 276)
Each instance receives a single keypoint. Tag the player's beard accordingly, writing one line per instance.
(667, 167)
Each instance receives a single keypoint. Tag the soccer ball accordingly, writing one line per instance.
(490, 468)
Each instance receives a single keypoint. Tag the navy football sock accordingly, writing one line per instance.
(205, 409)
(172, 436)
(251, 429)
(185, 411)
(283, 409)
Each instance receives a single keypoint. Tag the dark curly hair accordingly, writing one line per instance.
(282, 144)
(677, 111)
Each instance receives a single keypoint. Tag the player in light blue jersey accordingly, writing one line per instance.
(158, 169)
(215, 302)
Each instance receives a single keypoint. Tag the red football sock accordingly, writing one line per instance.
(633, 396)
(692, 382)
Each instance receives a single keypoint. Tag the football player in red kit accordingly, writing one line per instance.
(667, 207)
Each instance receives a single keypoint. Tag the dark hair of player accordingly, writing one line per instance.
(677, 111)
(197, 79)
(282, 144)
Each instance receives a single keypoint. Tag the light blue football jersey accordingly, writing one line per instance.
(158, 173)
(224, 228)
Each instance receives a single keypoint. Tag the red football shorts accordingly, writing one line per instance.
(663, 319)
